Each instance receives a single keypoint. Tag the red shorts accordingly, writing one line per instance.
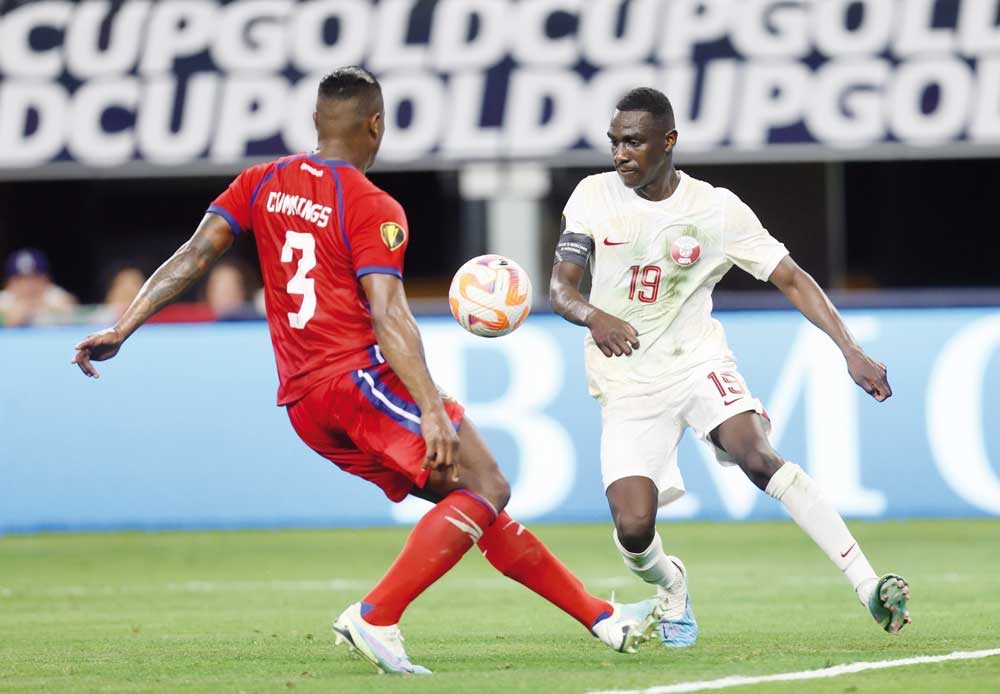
(366, 422)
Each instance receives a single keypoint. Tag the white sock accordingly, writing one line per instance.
(651, 564)
(816, 516)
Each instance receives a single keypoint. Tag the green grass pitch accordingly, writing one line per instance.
(251, 612)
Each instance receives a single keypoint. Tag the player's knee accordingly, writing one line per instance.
(482, 475)
(495, 487)
(760, 464)
(636, 530)
(501, 491)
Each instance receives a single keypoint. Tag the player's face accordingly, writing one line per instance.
(640, 149)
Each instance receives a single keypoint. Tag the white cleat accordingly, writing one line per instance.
(678, 627)
(380, 646)
(630, 624)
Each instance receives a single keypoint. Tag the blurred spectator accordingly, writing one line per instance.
(123, 286)
(230, 290)
(29, 296)
(259, 302)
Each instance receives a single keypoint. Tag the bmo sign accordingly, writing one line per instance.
(927, 451)
(202, 85)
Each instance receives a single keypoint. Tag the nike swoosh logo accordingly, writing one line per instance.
(614, 243)
(844, 554)
(730, 402)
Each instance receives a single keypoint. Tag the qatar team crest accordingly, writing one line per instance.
(685, 251)
(393, 235)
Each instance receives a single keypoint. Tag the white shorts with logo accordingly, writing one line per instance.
(641, 432)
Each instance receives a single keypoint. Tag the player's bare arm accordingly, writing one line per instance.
(399, 339)
(807, 296)
(614, 337)
(187, 265)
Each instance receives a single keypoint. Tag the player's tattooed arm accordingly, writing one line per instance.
(807, 296)
(613, 336)
(179, 273)
(399, 340)
(187, 265)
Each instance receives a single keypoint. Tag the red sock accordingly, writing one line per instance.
(515, 552)
(436, 544)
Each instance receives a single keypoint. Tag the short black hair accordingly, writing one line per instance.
(349, 83)
(652, 101)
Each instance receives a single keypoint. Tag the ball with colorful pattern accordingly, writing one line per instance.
(490, 296)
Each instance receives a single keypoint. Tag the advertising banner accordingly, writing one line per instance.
(189, 86)
(181, 429)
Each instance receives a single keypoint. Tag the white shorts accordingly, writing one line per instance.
(641, 432)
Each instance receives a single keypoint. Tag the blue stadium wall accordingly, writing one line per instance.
(181, 430)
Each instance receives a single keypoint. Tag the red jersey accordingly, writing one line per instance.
(320, 225)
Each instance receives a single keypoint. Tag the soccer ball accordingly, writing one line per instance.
(490, 296)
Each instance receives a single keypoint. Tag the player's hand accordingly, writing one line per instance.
(97, 347)
(613, 336)
(869, 374)
(441, 440)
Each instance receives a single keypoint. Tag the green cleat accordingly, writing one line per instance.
(889, 602)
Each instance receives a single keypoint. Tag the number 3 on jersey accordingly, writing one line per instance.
(300, 284)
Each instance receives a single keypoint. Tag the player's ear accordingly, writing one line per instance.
(375, 125)
(671, 141)
(316, 119)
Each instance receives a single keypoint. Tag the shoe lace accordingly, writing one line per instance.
(393, 638)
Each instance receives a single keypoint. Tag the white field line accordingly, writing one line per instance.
(290, 586)
(596, 583)
(835, 671)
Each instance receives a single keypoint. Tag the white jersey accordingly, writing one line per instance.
(655, 264)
